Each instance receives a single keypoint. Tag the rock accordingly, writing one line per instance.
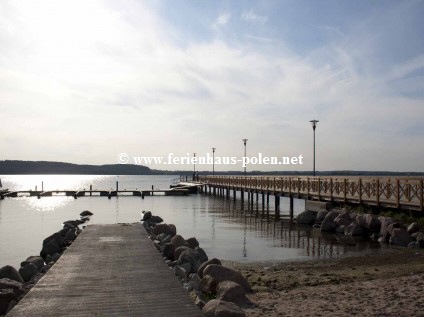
(168, 251)
(156, 219)
(384, 232)
(6, 283)
(86, 213)
(188, 256)
(413, 227)
(10, 273)
(173, 229)
(157, 245)
(182, 271)
(49, 259)
(57, 236)
(179, 241)
(320, 216)
(220, 308)
(72, 223)
(372, 224)
(341, 229)
(395, 225)
(205, 264)
(400, 236)
(195, 280)
(167, 239)
(199, 302)
(355, 229)
(146, 215)
(149, 229)
(374, 236)
(56, 257)
(328, 222)
(192, 242)
(162, 236)
(11, 305)
(163, 228)
(306, 217)
(36, 278)
(50, 249)
(178, 251)
(231, 292)
(208, 284)
(46, 268)
(342, 221)
(28, 271)
(6, 296)
(413, 245)
(221, 273)
(37, 260)
(70, 236)
(200, 255)
(188, 286)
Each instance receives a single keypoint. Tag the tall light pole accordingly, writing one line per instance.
(244, 141)
(213, 162)
(314, 126)
(194, 163)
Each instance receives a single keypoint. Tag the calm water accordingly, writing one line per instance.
(225, 229)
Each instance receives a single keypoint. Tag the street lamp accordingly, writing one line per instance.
(194, 163)
(314, 126)
(244, 141)
(213, 162)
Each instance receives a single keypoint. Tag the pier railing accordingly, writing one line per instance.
(394, 192)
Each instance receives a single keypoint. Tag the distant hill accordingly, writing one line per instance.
(43, 167)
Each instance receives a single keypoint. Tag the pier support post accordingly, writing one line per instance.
(91, 190)
(117, 185)
(291, 208)
(277, 207)
(234, 194)
(267, 198)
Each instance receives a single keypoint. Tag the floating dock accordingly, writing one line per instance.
(109, 270)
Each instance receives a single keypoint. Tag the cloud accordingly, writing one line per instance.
(252, 17)
(222, 20)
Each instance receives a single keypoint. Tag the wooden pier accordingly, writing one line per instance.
(110, 270)
(391, 192)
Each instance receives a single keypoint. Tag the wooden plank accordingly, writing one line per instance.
(110, 270)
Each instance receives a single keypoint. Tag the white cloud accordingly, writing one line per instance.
(251, 16)
(222, 19)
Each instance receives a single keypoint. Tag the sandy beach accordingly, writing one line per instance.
(388, 284)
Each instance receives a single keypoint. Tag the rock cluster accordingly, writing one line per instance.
(14, 284)
(217, 290)
(383, 229)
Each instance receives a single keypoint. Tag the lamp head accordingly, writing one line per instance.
(244, 141)
(314, 123)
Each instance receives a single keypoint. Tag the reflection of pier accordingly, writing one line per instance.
(106, 193)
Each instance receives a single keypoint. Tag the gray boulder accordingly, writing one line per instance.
(178, 251)
(192, 242)
(220, 308)
(195, 280)
(173, 229)
(306, 217)
(221, 273)
(355, 229)
(321, 216)
(371, 223)
(342, 221)
(86, 213)
(179, 241)
(413, 227)
(6, 283)
(28, 271)
(328, 223)
(168, 251)
(231, 292)
(56, 257)
(57, 236)
(188, 256)
(70, 236)
(37, 260)
(413, 245)
(6, 297)
(205, 264)
(384, 229)
(399, 236)
(164, 228)
(11, 273)
(146, 215)
(156, 219)
(200, 254)
(208, 284)
(50, 248)
(182, 271)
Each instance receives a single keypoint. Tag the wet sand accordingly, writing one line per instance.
(387, 284)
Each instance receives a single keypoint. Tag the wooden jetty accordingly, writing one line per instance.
(110, 270)
(391, 192)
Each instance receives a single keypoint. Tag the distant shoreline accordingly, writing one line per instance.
(15, 167)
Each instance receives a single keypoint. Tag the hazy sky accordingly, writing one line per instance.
(82, 81)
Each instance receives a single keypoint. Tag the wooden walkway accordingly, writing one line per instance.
(110, 270)
(393, 192)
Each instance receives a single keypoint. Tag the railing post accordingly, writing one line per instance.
(290, 186)
(319, 188)
(298, 187)
(377, 192)
(397, 193)
(345, 190)
(421, 196)
(331, 189)
(307, 187)
(360, 190)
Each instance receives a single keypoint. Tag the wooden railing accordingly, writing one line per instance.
(395, 192)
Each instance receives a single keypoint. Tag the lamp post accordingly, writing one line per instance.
(213, 160)
(194, 163)
(314, 126)
(244, 141)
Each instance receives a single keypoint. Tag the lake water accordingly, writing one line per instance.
(225, 229)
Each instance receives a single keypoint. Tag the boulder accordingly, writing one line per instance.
(328, 222)
(28, 271)
(205, 264)
(179, 241)
(49, 259)
(86, 213)
(146, 215)
(182, 271)
(231, 292)
(57, 236)
(188, 256)
(208, 284)
(355, 229)
(413, 227)
(342, 221)
(50, 249)
(178, 251)
(37, 260)
(220, 308)
(320, 216)
(395, 225)
(173, 229)
(6, 297)
(413, 245)
(200, 254)
(56, 257)
(195, 280)
(72, 223)
(385, 222)
(306, 217)
(11, 273)
(155, 219)
(192, 242)
(221, 273)
(162, 236)
(168, 251)
(200, 302)
(163, 228)
(6, 283)
(70, 236)
(371, 223)
(188, 286)
(400, 236)
(167, 239)
(341, 229)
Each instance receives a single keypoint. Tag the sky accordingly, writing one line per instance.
(83, 81)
